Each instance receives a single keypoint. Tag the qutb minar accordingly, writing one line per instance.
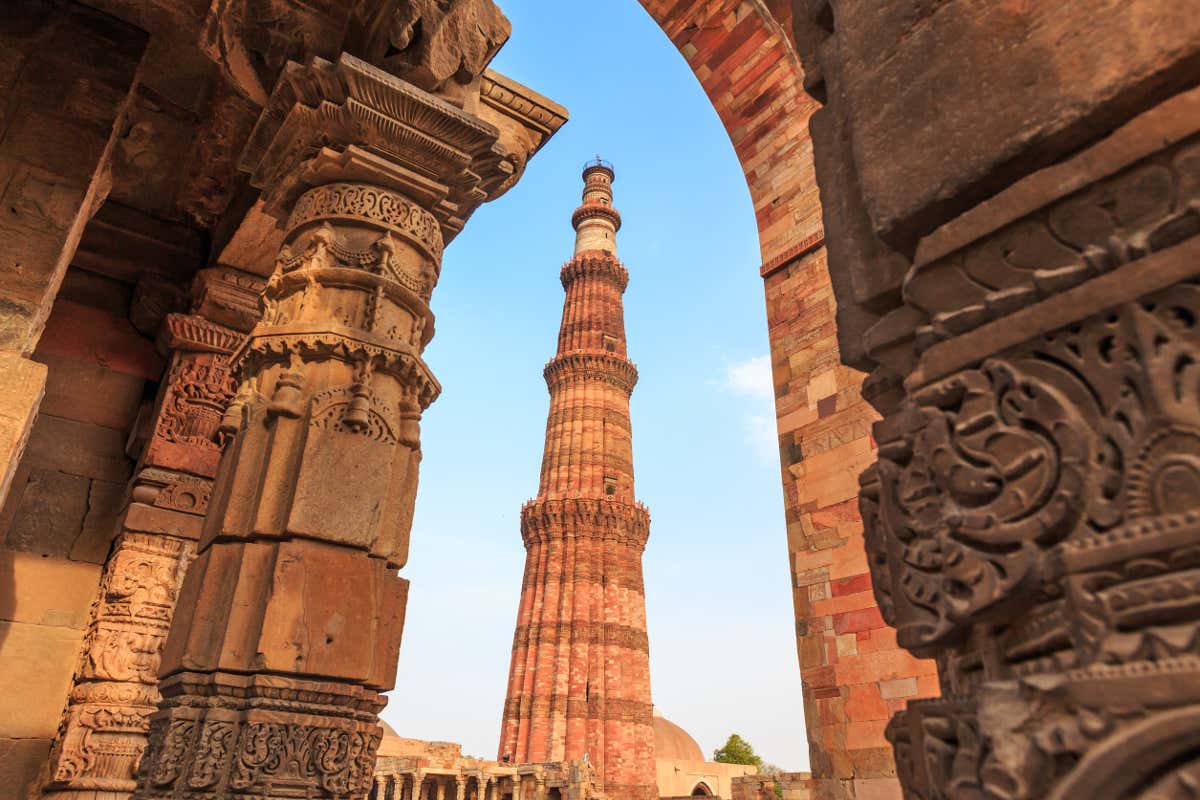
(579, 683)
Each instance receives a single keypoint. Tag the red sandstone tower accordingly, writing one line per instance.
(580, 676)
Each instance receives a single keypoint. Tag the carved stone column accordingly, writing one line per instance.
(272, 683)
(103, 732)
(1032, 287)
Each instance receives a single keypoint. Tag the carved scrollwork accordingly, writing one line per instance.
(985, 472)
(255, 756)
(363, 203)
(1035, 522)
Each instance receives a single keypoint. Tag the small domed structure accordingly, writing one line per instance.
(683, 771)
(672, 742)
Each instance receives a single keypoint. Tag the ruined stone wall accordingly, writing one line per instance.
(854, 675)
(783, 786)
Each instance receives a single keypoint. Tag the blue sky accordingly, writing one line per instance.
(722, 644)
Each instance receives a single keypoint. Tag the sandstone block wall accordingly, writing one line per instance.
(60, 517)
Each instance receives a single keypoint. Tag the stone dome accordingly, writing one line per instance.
(672, 743)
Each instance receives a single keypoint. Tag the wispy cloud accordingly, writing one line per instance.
(751, 377)
(752, 380)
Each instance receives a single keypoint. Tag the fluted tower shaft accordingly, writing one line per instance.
(579, 682)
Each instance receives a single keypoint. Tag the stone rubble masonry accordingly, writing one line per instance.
(744, 56)
(580, 676)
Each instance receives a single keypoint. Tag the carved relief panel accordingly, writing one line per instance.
(1034, 523)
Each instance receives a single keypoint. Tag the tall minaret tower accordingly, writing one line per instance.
(580, 676)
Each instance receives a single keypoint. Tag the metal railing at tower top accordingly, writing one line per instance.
(598, 163)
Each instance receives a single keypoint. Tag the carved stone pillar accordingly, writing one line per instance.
(272, 684)
(103, 732)
(460, 787)
(481, 788)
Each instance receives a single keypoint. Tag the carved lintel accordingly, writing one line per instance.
(325, 121)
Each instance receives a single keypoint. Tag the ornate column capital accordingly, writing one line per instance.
(330, 122)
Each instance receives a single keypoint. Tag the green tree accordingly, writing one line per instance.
(737, 750)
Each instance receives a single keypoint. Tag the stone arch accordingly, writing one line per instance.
(744, 55)
(701, 789)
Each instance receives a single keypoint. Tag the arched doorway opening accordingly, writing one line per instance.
(813, 390)
(701, 790)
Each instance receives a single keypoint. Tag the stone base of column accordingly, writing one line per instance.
(228, 735)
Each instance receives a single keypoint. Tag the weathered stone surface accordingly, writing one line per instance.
(87, 392)
(20, 760)
(50, 514)
(102, 736)
(296, 609)
(111, 340)
(46, 591)
(1036, 483)
(78, 448)
(1014, 87)
(48, 656)
(437, 46)
(22, 386)
(744, 59)
(105, 502)
(67, 70)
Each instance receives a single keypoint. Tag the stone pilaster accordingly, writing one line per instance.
(273, 682)
(103, 732)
